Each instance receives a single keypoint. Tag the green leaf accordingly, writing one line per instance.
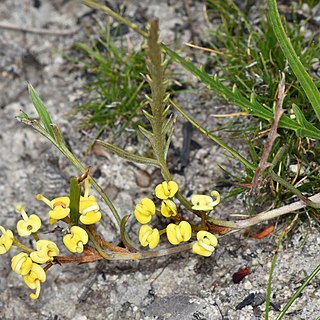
(128, 155)
(41, 110)
(166, 125)
(307, 128)
(57, 135)
(253, 106)
(170, 133)
(149, 116)
(75, 191)
(297, 294)
(297, 67)
(213, 137)
(23, 116)
(148, 134)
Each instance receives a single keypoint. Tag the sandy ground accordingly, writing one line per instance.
(184, 286)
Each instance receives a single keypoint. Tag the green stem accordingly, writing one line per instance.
(35, 236)
(64, 150)
(213, 137)
(59, 143)
(298, 292)
(273, 264)
(95, 5)
(21, 246)
(307, 84)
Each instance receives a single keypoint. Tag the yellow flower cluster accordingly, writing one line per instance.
(88, 207)
(32, 273)
(176, 233)
(147, 208)
(28, 265)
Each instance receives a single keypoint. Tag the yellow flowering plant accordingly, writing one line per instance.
(189, 224)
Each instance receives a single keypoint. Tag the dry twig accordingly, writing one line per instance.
(50, 32)
(272, 136)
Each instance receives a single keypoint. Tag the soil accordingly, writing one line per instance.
(184, 286)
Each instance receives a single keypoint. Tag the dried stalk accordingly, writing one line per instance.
(272, 136)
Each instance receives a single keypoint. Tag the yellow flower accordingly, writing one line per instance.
(6, 240)
(88, 206)
(166, 190)
(46, 250)
(206, 243)
(145, 210)
(60, 207)
(33, 279)
(205, 203)
(75, 240)
(179, 233)
(89, 210)
(29, 224)
(168, 208)
(21, 263)
(148, 236)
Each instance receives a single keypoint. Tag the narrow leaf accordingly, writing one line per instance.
(297, 67)
(149, 116)
(170, 133)
(128, 155)
(41, 110)
(149, 135)
(255, 108)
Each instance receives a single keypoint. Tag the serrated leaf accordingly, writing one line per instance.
(41, 110)
(128, 155)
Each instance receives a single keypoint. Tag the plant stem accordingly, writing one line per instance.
(273, 264)
(21, 245)
(213, 137)
(264, 216)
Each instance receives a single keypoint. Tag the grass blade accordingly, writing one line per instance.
(315, 272)
(273, 264)
(307, 84)
(214, 138)
(253, 106)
